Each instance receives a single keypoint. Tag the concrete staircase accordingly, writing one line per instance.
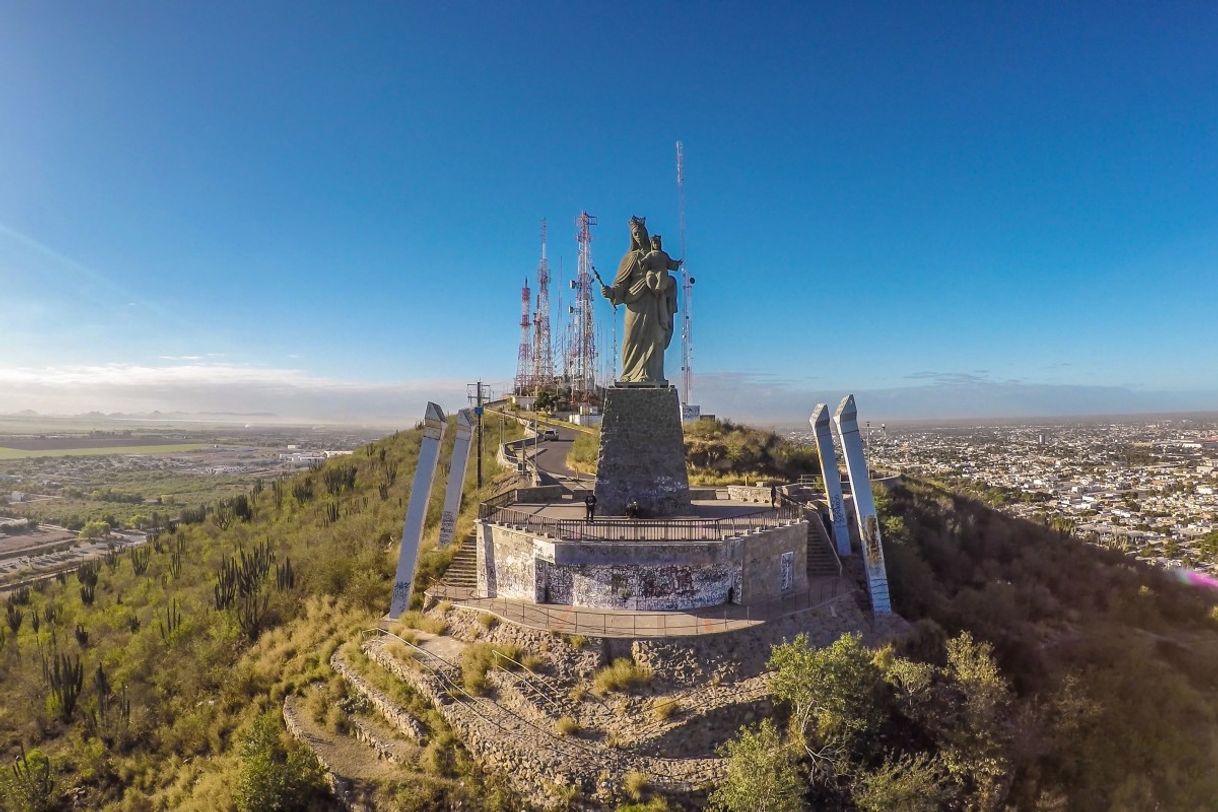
(822, 559)
(462, 573)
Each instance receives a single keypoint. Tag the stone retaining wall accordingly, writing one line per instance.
(387, 707)
(760, 567)
(341, 787)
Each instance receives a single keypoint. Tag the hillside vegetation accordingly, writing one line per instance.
(153, 680)
(720, 452)
(1041, 673)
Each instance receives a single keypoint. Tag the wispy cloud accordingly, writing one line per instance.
(777, 400)
(951, 378)
(204, 386)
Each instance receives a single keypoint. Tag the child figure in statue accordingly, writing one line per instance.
(656, 264)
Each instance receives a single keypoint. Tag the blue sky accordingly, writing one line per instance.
(326, 210)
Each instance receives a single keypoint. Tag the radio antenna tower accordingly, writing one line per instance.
(687, 288)
(543, 358)
(583, 383)
(524, 359)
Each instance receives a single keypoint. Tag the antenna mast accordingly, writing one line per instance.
(524, 359)
(687, 288)
(543, 358)
(583, 353)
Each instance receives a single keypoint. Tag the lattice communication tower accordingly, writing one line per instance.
(543, 352)
(582, 348)
(524, 358)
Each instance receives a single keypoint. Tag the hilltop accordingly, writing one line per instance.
(1039, 672)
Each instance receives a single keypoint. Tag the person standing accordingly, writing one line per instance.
(590, 505)
(773, 496)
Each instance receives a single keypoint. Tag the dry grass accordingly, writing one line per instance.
(662, 709)
(415, 619)
(566, 726)
(533, 662)
(578, 693)
(622, 676)
(488, 621)
(636, 783)
(479, 658)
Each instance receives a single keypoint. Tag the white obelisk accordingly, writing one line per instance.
(456, 477)
(846, 419)
(832, 477)
(416, 508)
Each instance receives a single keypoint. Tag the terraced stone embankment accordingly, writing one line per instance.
(378, 699)
(511, 734)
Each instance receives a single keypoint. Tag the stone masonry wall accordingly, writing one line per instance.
(638, 587)
(642, 453)
(775, 564)
(651, 576)
(506, 566)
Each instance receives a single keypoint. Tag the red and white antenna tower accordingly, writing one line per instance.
(543, 358)
(524, 359)
(583, 349)
(687, 288)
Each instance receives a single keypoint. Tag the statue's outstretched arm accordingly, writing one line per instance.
(673, 264)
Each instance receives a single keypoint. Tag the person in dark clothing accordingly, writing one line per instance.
(590, 504)
(773, 496)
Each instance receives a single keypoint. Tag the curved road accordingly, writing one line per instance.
(552, 458)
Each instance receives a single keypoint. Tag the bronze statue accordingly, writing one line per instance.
(649, 292)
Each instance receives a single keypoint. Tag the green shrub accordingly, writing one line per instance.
(276, 774)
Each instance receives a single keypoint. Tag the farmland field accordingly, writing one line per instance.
(10, 453)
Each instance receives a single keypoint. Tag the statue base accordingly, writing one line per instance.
(642, 454)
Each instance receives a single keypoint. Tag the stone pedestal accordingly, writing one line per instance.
(642, 456)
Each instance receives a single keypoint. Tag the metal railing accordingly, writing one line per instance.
(600, 623)
(816, 526)
(619, 529)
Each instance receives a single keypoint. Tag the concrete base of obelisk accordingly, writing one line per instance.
(642, 455)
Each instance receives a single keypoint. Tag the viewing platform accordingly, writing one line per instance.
(727, 549)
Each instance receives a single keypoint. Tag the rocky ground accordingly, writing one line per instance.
(545, 726)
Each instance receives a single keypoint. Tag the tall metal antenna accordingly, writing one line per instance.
(543, 358)
(524, 358)
(583, 353)
(687, 288)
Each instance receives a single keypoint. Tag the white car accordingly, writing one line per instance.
(549, 434)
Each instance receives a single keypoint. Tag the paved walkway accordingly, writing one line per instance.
(629, 623)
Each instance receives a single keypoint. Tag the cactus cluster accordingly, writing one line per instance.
(66, 678)
(140, 557)
(239, 585)
(172, 621)
(302, 489)
(113, 709)
(339, 478)
(176, 550)
(285, 575)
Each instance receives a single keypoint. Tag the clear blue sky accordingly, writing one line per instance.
(219, 204)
